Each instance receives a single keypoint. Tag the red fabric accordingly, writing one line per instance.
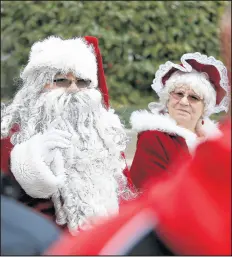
(192, 207)
(101, 75)
(155, 153)
(211, 70)
(6, 148)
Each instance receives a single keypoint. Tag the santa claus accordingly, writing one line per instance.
(67, 143)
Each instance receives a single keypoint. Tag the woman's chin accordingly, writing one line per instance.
(182, 119)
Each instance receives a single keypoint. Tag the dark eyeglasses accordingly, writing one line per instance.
(180, 95)
(64, 82)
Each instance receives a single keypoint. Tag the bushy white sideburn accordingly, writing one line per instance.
(198, 82)
(31, 88)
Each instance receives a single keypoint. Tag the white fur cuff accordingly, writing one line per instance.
(32, 174)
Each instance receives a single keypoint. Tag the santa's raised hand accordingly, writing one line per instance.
(31, 162)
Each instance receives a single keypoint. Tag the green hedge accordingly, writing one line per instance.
(135, 37)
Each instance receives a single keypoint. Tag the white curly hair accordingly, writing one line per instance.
(198, 82)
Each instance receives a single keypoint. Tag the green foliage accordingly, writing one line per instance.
(135, 37)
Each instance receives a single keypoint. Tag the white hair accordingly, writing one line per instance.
(198, 82)
(29, 91)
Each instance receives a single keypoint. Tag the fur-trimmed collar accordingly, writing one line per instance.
(143, 120)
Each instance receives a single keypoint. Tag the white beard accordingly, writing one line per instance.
(93, 173)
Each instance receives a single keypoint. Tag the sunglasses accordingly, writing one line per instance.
(64, 82)
(191, 98)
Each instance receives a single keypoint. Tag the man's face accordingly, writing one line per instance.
(69, 82)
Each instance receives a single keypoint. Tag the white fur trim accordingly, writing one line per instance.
(143, 120)
(65, 55)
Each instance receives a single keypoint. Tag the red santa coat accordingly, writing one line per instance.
(6, 148)
(190, 210)
(160, 143)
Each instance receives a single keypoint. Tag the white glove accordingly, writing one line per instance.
(31, 161)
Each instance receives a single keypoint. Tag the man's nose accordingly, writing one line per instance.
(73, 87)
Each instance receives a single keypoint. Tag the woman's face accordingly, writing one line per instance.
(185, 107)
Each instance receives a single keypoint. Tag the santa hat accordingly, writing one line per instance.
(216, 71)
(79, 55)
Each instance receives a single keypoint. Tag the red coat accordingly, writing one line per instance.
(155, 153)
(190, 210)
(160, 143)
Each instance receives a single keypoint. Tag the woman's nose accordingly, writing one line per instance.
(184, 100)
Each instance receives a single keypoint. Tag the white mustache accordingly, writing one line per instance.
(59, 99)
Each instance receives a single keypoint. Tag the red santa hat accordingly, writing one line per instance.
(216, 71)
(79, 55)
(101, 75)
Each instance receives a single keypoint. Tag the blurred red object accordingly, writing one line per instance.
(192, 210)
